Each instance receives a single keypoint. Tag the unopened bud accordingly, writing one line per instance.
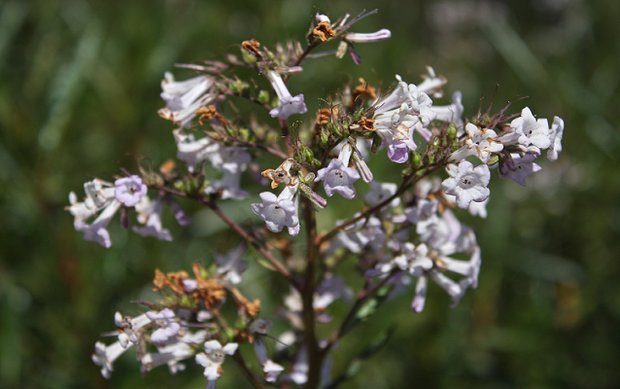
(263, 97)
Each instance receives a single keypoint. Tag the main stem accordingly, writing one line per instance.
(308, 289)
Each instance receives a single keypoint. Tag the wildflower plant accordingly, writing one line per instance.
(406, 238)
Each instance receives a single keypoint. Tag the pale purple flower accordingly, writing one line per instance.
(279, 211)
(364, 233)
(189, 285)
(167, 323)
(362, 167)
(193, 151)
(398, 151)
(319, 18)
(213, 358)
(467, 183)
(233, 160)
(433, 85)
(555, 137)
(419, 299)
(452, 113)
(97, 230)
(329, 290)
(289, 105)
(100, 199)
(338, 178)
(229, 187)
(518, 168)
(446, 234)
(422, 211)
(299, 372)
(203, 316)
(178, 212)
(231, 265)
(398, 115)
(149, 216)
(414, 259)
(455, 290)
(170, 354)
(470, 269)
(379, 192)
(400, 95)
(272, 370)
(348, 152)
(129, 190)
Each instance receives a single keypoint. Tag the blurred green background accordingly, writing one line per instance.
(79, 90)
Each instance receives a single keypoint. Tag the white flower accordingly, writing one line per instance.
(455, 290)
(149, 216)
(368, 36)
(279, 212)
(289, 105)
(555, 137)
(362, 234)
(414, 259)
(168, 326)
(193, 151)
(213, 358)
(467, 183)
(479, 142)
(97, 230)
(381, 191)
(100, 198)
(129, 328)
(433, 84)
(319, 18)
(329, 290)
(446, 234)
(184, 98)
(272, 370)
(231, 264)
(105, 356)
(398, 115)
(229, 187)
(419, 299)
(531, 131)
(171, 354)
(478, 208)
(233, 160)
(422, 211)
(470, 269)
(452, 113)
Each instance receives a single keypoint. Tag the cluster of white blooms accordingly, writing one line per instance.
(162, 328)
(104, 199)
(406, 234)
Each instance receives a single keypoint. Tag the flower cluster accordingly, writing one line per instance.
(404, 236)
(188, 322)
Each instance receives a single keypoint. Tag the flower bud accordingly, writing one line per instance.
(263, 97)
